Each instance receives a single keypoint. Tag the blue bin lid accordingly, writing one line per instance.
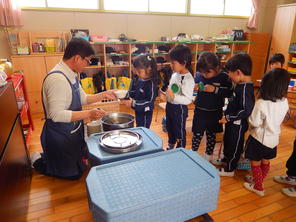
(151, 141)
(119, 187)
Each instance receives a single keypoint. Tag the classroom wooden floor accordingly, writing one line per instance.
(54, 199)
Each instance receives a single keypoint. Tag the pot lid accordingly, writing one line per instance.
(120, 141)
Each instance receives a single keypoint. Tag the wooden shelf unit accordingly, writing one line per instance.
(94, 67)
(28, 38)
(37, 65)
(291, 65)
(23, 104)
(124, 50)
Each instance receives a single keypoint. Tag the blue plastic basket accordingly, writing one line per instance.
(244, 164)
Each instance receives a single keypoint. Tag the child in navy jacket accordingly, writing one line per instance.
(144, 90)
(240, 107)
(209, 101)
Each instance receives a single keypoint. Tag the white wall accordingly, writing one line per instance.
(149, 27)
(141, 27)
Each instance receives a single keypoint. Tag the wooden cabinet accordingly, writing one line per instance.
(284, 33)
(15, 167)
(51, 61)
(258, 52)
(8, 115)
(284, 30)
(35, 101)
(15, 173)
(35, 69)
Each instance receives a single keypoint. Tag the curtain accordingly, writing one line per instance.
(253, 20)
(10, 13)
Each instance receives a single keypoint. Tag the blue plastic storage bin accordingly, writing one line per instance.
(152, 143)
(174, 185)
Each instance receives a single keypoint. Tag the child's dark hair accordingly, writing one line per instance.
(78, 46)
(207, 61)
(144, 61)
(242, 62)
(277, 57)
(274, 85)
(182, 54)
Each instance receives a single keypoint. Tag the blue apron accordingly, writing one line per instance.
(63, 143)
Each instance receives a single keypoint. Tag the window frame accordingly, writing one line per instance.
(102, 10)
(234, 15)
(158, 12)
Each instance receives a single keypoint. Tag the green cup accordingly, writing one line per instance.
(175, 88)
(201, 86)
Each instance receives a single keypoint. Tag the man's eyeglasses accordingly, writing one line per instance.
(88, 61)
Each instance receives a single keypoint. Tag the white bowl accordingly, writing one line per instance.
(121, 94)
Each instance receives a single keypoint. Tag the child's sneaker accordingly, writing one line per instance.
(285, 180)
(250, 187)
(170, 146)
(290, 191)
(219, 162)
(249, 178)
(163, 123)
(34, 156)
(224, 173)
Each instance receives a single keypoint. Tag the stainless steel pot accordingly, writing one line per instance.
(114, 121)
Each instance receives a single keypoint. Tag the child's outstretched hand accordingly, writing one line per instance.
(162, 95)
(170, 95)
(223, 120)
(109, 95)
(127, 102)
(196, 86)
(209, 88)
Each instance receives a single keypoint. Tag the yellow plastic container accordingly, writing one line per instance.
(50, 49)
(6, 66)
(50, 45)
(50, 42)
